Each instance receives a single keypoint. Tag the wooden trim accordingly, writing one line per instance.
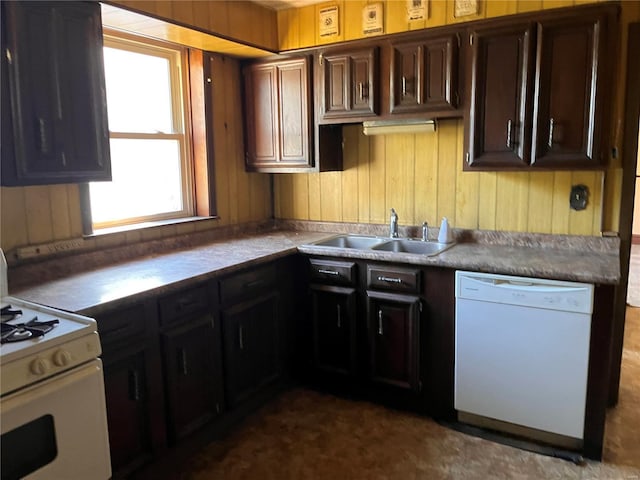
(635, 239)
(629, 160)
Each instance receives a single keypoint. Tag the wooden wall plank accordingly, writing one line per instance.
(300, 196)
(487, 196)
(395, 16)
(467, 189)
(547, 4)
(581, 221)
(377, 174)
(308, 26)
(14, 218)
(512, 201)
(529, 5)
(59, 201)
(331, 204)
(560, 212)
(220, 142)
(597, 200)
(498, 8)
(437, 13)
(352, 11)
(350, 174)
(38, 213)
(315, 197)
(364, 206)
(426, 178)
(540, 202)
(448, 165)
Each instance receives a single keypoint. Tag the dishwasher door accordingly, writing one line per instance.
(522, 351)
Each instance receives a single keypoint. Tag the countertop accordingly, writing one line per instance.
(105, 288)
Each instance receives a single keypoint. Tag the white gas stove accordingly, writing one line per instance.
(53, 421)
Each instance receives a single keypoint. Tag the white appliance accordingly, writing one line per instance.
(53, 421)
(522, 352)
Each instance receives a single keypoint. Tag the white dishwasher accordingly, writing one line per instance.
(522, 352)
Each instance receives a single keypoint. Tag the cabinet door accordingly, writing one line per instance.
(424, 75)
(252, 357)
(128, 410)
(394, 351)
(349, 88)
(278, 115)
(193, 375)
(58, 103)
(569, 93)
(499, 120)
(334, 329)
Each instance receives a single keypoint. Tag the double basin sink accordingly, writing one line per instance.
(397, 245)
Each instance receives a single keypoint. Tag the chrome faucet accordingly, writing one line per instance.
(425, 232)
(393, 225)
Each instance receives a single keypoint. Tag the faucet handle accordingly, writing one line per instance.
(425, 231)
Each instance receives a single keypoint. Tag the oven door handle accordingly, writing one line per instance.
(134, 385)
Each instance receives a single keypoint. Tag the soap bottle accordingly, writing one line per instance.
(445, 235)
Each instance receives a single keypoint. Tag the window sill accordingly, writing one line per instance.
(144, 225)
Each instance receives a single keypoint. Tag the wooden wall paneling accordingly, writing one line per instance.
(14, 218)
(200, 12)
(220, 147)
(377, 184)
(287, 198)
(467, 191)
(547, 4)
(331, 204)
(529, 5)
(404, 188)
(300, 184)
(75, 215)
(581, 221)
(487, 195)
(238, 198)
(449, 153)
(218, 16)
(315, 196)
(60, 220)
(285, 25)
(437, 14)
(540, 202)
(597, 198)
(183, 12)
(38, 212)
(308, 26)
(341, 9)
(277, 196)
(426, 178)
(395, 17)
(364, 205)
(498, 8)
(352, 11)
(560, 212)
(240, 21)
(350, 174)
(512, 202)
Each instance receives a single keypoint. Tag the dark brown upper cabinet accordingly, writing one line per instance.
(347, 84)
(424, 75)
(539, 91)
(54, 120)
(278, 115)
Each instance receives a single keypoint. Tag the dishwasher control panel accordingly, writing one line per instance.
(524, 291)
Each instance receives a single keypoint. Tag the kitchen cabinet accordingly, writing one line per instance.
(348, 86)
(252, 332)
(423, 75)
(278, 115)
(538, 92)
(190, 339)
(133, 386)
(53, 89)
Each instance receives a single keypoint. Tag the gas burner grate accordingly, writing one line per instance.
(9, 313)
(23, 331)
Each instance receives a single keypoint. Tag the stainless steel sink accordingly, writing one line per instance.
(407, 245)
(351, 241)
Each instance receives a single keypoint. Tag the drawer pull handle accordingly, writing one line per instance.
(404, 86)
(551, 125)
(382, 278)
(186, 304)
(328, 272)
(509, 139)
(182, 361)
(134, 385)
(42, 136)
(253, 284)
(240, 338)
(339, 316)
(380, 331)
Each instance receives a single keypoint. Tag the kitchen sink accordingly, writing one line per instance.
(351, 241)
(407, 245)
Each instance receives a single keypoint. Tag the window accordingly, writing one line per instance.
(150, 151)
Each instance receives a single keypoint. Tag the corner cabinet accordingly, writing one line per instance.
(278, 115)
(424, 75)
(347, 82)
(539, 90)
(54, 120)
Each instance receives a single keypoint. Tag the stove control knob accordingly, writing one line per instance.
(61, 358)
(40, 366)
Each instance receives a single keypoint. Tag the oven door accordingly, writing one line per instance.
(57, 428)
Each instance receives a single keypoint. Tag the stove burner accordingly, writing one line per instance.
(8, 313)
(23, 331)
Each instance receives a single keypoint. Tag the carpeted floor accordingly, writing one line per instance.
(307, 435)
(633, 290)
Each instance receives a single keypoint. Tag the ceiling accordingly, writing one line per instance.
(283, 4)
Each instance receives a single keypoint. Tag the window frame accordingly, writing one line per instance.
(178, 57)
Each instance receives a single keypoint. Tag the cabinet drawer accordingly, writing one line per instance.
(124, 324)
(247, 283)
(331, 271)
(187, 302)
(393, 278)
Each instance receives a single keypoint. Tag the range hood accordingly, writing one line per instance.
(384, 127)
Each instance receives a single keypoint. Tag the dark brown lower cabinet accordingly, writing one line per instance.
(393, 324)
(251, 344)
(334, 329)
(193, 376)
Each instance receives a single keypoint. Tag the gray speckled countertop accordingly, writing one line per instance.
(101, 289)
